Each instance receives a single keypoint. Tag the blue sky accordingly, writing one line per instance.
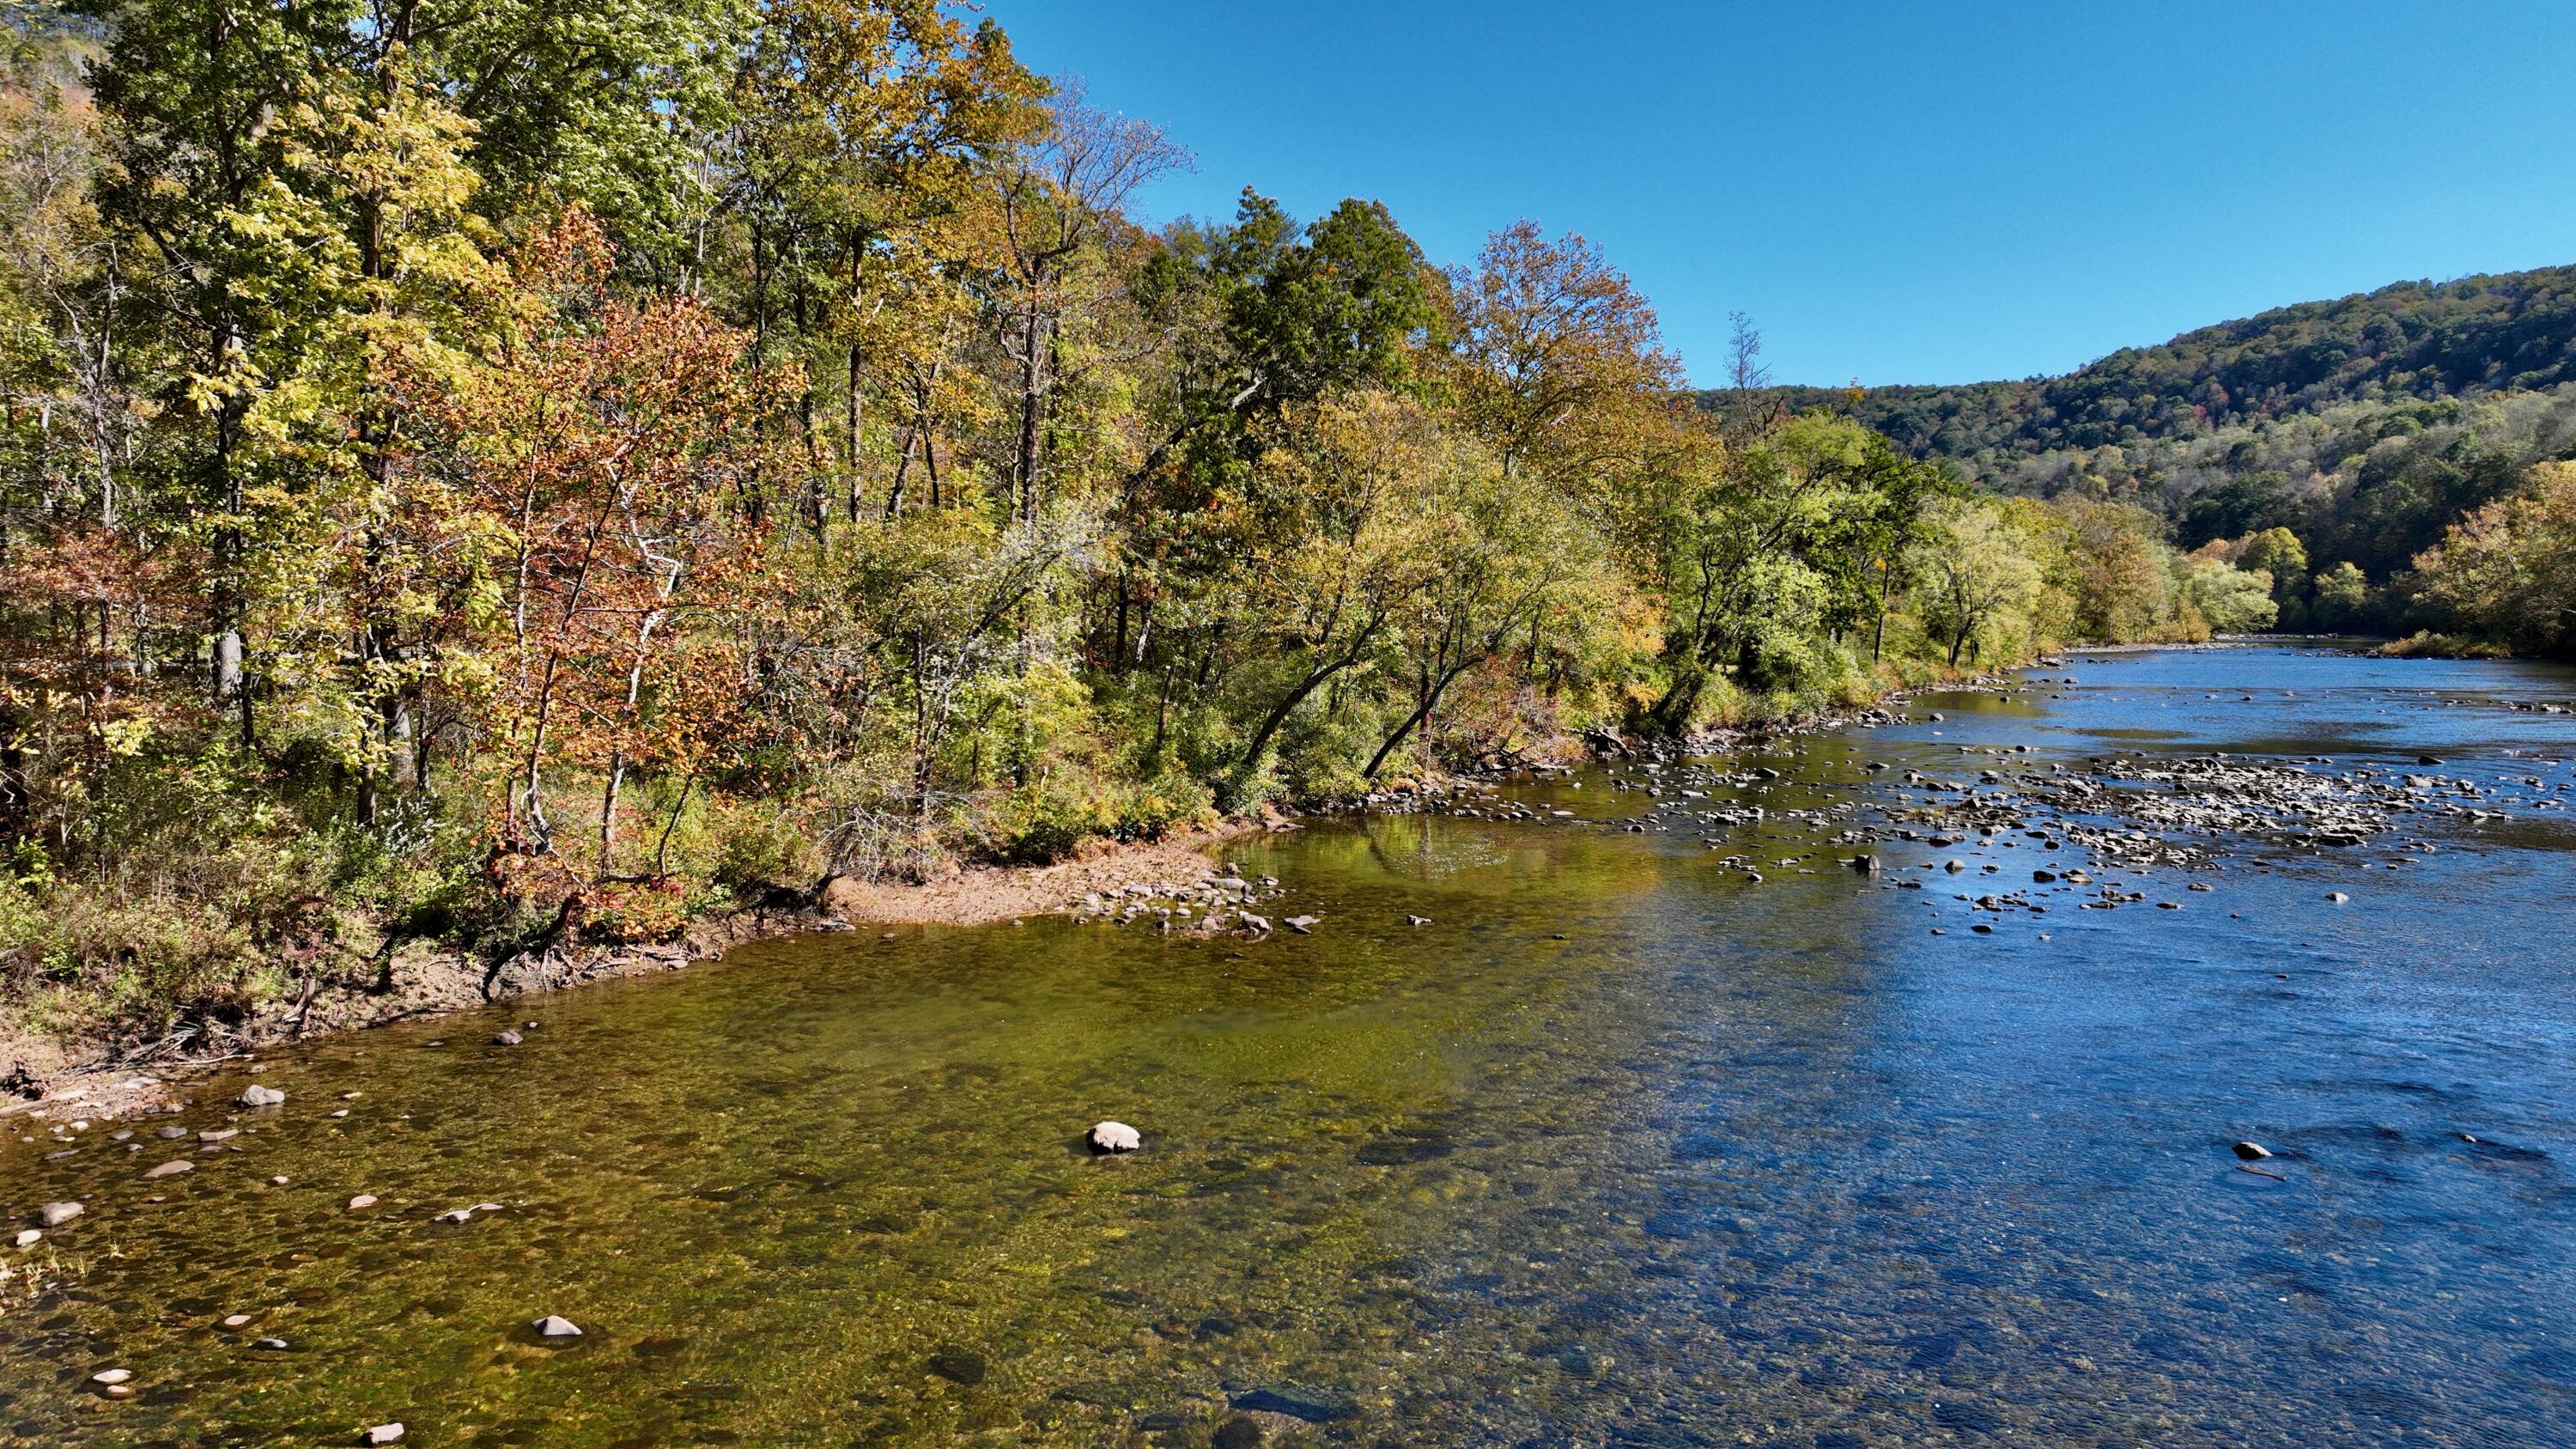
(1896, 192)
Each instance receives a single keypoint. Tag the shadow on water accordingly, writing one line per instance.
(1622, 1148)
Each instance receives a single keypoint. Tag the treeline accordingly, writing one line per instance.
(2366, 427)
(518, 473)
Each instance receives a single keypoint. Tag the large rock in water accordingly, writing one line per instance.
(1114, 1137)
(256, 1095)
(55, 1214)
(555, 1326)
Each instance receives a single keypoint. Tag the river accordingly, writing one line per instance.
(1624, 1147)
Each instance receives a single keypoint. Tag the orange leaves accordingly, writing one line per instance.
(615, 448)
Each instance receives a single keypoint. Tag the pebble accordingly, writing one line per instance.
(1114, 1137)
(272, 1345)
(1303, 925)
(506, 1038)
(2337, 897)
(169, 1131)
(237, 1320)
(279, 1180)
(1417, 920)
(55, 1214)
(555, 1326)
(256, 1095)
(30, 1237)
(382, 1434)
(362, 1201)
(172, 1168)
(118, 1391)
(111, 1377)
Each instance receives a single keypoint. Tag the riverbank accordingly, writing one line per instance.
(56, 1079)
(60, 1077)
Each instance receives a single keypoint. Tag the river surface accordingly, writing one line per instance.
(1622, 1148)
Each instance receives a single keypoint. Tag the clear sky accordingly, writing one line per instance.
(1898, 192)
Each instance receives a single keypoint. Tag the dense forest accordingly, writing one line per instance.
(2366, 427)
(521, 474)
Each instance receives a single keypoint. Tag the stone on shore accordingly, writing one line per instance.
(1114, 1137)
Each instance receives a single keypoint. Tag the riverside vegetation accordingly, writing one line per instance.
(516, 475)
(2396, 460)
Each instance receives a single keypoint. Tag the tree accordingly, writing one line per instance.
(860, 141)
(1056, 203)
(2507, 571)
(2233, 600)
(1558, 358)
(2278, 552)
(2342, 597)
(602, 453)
(1975, 569)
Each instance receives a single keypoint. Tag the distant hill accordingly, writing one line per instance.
(2365, 423)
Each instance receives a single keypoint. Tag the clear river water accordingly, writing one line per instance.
(1624, 1148)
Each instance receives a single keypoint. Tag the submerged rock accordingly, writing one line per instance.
(172, 1168)
(506, 1038)
(1114, 1137)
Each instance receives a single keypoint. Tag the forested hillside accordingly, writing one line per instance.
(527, 474)
(2418, 341)
(2365, 426)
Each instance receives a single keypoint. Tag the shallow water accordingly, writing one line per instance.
(1622, 1149)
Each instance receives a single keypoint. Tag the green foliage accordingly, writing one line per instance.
(2365, 426)
(2506, 573)
(522, 474)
